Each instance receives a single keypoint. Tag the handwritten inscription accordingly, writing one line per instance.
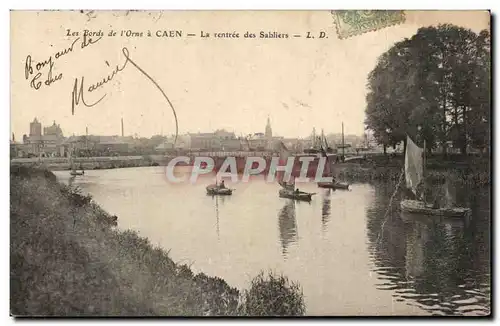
(33, 71)
(78, 92)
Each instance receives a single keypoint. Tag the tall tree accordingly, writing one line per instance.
(433, 86)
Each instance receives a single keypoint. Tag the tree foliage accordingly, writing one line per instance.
(433, 86)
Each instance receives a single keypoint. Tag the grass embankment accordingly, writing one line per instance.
(468, 171)
(67, 260)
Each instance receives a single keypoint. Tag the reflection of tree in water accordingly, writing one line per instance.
(287, 226)
(440, 265)
(326, 209)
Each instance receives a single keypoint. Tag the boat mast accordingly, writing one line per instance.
(423, 171)
(343, 145)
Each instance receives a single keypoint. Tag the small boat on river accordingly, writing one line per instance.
(296, 195)
(288, 188)
(334, 185)
(219, 190)
(419, 207)
(415, 176)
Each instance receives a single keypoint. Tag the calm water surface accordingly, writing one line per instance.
(351, 253)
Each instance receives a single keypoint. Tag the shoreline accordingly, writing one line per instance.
(68, 259)
(468, 175)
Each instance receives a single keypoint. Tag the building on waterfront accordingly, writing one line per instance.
(220, 140)
(256, 142)
(97, 145)
(38, 144)
(35, 128)
(54, 130)
(202, 141)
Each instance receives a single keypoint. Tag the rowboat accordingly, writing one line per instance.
(216, 190)
(296, 195)
(74, 173)
(419, 207)
(333, 185)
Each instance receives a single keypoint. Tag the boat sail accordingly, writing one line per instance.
(415, 175)
(283, 158)
(329, 173)
(414, 166)
(288, 188)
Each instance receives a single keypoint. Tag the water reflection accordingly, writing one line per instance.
(439, 266)
(216, 200)
(434, 263)
(71, 180)
(326, 209)
(287, 224)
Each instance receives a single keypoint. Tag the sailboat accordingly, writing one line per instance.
(414, 177)
(288, 189)
(333, 184)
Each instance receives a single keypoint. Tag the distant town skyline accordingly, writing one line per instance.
(69, 133)
(213, 84)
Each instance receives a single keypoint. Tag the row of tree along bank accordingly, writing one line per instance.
(434, 86)
(67, 259)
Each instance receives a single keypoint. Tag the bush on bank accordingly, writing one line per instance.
(273, 295)
(67, 260)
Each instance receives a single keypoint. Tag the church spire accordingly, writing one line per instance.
(269, 130)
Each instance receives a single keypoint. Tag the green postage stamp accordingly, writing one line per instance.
(355, 22)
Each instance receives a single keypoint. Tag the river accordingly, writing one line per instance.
(350, 252)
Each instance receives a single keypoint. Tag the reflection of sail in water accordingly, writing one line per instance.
(416, 238)
(287, 226)
(442, 267)
(326, 209)
(448, 197)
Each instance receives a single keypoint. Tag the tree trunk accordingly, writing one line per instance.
(464, 135)
(443, 129)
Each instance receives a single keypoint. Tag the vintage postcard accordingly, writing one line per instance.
(250, 163)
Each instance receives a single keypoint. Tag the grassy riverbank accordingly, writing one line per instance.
(67, 259)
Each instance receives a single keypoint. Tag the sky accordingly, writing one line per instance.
(213, 83)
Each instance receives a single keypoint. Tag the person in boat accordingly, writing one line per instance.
(442, 197)
(418, 195)
(297, 191)
(439, 195)
(222, 185)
